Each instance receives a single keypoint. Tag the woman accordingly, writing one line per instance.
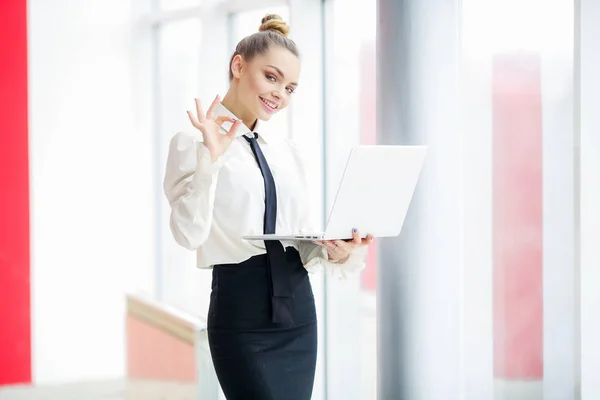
(230, 178)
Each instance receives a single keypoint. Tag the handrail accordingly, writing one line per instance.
(172, 320)
(185, 327)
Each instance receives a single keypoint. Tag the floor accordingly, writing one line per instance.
(107, 390)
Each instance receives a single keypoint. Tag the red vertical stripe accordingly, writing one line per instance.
(368, 135)
(517, 217)
(15, 335)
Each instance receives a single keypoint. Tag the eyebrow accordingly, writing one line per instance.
(281, 73)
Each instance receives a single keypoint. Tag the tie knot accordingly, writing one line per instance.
(250, 139)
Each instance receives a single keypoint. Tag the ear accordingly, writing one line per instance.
(237, 66)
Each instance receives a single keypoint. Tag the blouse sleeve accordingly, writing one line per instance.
(315, 257)
(189, 185)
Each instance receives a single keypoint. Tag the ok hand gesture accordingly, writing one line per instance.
(215, 142)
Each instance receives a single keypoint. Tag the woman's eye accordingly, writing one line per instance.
(271, 78)
(290, 90)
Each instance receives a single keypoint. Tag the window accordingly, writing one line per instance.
(178, 71)
(168, 5)
(350, 107)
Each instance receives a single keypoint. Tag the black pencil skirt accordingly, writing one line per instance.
(254, 358)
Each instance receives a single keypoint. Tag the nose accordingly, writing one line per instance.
(276, 95)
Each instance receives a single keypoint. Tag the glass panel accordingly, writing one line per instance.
(178, 69)
(519, 86)
(350, 103)
(177, 4)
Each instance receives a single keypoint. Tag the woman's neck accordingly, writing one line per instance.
(231, 102)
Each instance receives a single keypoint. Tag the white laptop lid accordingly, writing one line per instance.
(375, 191)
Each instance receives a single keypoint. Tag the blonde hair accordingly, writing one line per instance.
(273, 22)
(273, 30)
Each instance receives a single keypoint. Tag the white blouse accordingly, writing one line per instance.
(214, 204)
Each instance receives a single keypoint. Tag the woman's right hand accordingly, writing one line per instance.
(215, 142)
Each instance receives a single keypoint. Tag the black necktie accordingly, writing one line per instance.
(280, 284)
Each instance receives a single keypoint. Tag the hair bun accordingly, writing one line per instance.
(273, 22)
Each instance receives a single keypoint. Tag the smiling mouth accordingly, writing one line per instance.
(269, 105)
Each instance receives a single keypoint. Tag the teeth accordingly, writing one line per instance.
(270, 104)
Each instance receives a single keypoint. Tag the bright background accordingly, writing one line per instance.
(502, 300)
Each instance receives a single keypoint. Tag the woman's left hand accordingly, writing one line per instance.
(340, 250)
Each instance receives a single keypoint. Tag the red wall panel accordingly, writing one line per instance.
(368, 136)
(15, 335)
(517, 217)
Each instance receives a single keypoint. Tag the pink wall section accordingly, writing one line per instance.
(368, 136)
(15, 324)
(153, 354)
(517, 235)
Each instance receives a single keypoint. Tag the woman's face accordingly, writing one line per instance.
(267, 82)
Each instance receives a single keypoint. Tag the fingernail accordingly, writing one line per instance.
(234, 119)
(355, 230)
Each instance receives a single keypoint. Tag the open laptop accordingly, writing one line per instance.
(373, 195)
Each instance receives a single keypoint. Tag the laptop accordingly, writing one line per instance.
(374, 194)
